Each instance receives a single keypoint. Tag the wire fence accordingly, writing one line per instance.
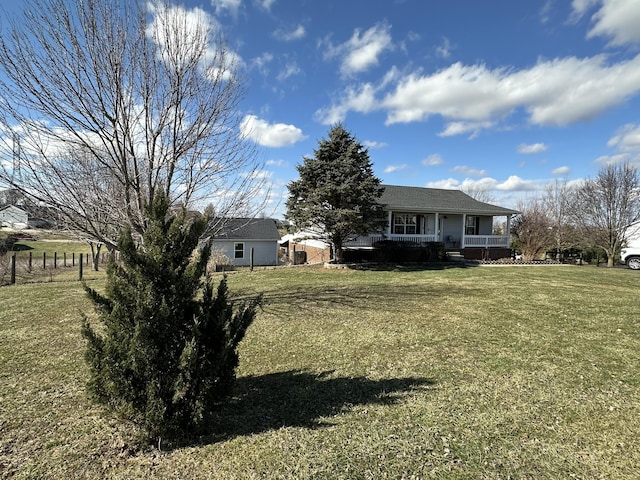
(26, 267)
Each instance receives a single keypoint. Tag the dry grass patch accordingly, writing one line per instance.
(514, 372)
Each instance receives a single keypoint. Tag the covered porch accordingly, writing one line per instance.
(457, 231)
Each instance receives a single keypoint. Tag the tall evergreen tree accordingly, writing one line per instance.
(165, 354)
(337, 193)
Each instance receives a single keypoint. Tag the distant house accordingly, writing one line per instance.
(13, 217)
(240, 237)
(419, 216)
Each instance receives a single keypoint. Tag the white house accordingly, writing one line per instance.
(13, 217)
(419, 216)
(243, 239)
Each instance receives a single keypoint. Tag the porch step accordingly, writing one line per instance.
(455, 257)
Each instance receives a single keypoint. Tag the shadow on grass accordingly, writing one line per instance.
(411, 267)
(299, 299)
(19, 247)
(301, 399)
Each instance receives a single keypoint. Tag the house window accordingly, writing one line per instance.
(405, 224)
(472, 225)
(238, 250)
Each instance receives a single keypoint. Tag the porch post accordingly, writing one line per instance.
(389, 226)
(464, 223)
(508, 232)
(436, 228)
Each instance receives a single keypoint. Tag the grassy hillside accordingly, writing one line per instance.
(488, 372)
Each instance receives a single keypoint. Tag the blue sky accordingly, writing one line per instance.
(501, 95)
(504, 95)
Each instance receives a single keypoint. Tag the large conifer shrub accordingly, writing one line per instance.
(165, 354)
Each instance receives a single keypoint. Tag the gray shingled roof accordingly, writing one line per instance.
(418, 199)
(248, 229)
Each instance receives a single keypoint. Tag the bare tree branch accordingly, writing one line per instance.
(112, 101)
(605, 207)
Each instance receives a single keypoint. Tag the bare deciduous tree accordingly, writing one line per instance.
(532, 228)
(557, 202)
(605, 207)
(480, 193)
(104, 102)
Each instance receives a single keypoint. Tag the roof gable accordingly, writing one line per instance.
(13, 210)
(439, 200)
(248, 229)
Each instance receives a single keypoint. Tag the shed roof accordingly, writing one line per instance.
(439, 200)
(12, 208)
(248, 229)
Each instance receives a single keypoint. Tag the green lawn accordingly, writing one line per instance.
(487, 372)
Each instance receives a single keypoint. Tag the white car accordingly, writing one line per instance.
(631, 256)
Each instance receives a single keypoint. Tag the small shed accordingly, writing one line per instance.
(13, 217)
(239, 237)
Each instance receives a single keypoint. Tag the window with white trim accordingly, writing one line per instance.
(472, 225)
(405, 224)
(238, 250)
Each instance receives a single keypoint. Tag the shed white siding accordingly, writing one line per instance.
(13, 217)
(265, 253)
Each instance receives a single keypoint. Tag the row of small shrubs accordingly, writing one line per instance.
(392, 251)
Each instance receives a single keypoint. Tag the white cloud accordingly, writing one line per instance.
(277, 163)
(289, 35)
(444, 49)
(261, 63)
(561, 171)
(223, 6)
(448, 184)
(556, 92)
(515, 183)
(362, 50)
(359, 100)
(374, 144)
(580, 7)
(626, 139)
(617, 20)
(532, 148)
(480, 185)
(459, 128)
(193, 29)
(465, 170)
(266, 4)
(545, 11)
(290, 70)
(433, 160)
(395, 168)
(270, 135)
(258, 174)
(606, 160)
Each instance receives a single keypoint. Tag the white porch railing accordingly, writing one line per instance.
(369, 240)
(473, 241)
(485, 241)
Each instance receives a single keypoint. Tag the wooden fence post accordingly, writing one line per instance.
(80, 268)
(251, 260)
(64, 259)
(30, 261)
(55, 259)
(44, 260)
(13, 269)
(73, 259)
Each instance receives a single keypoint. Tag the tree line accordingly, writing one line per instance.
(594, 213)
